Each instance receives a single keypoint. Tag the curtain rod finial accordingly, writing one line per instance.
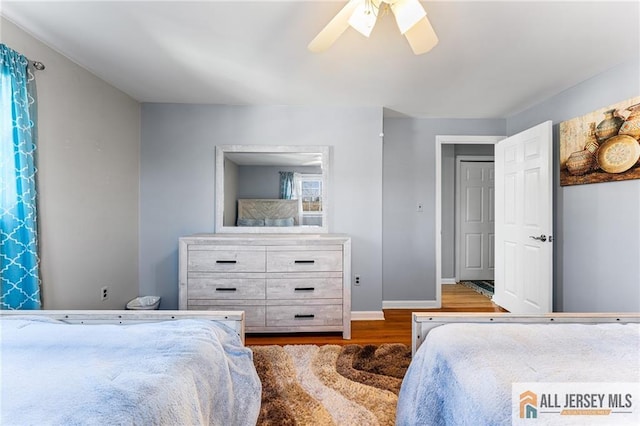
(38, 65)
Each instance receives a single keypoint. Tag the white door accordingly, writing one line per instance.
(476, 221)
(524, 221)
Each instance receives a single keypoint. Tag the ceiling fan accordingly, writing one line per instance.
(362, 16)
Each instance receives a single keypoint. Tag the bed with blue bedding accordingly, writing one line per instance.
(464, 367)
(126, 368)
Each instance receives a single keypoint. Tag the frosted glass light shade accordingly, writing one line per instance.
(363, 19)
(407, 13)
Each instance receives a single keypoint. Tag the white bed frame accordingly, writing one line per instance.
(423, 322)
(232, 319)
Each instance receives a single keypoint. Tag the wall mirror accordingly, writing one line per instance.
(271, 189)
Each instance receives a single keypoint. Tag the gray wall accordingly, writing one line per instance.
(448, 195)
(409, 177)
(178, 171)
(231, 173)
(264, 181)
(465, 149)
(88, 153)
(596, 226)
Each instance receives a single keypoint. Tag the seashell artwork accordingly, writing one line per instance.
(601, 146)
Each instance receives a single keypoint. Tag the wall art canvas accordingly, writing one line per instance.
(602, 146)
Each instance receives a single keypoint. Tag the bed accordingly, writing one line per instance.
(500, 369)
(126, 367)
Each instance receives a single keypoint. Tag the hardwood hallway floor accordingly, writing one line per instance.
(396, 327)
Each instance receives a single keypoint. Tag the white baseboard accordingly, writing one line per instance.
(367, 316)
(449, 281)
(410, 304)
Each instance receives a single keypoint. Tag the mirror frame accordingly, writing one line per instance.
(221, 150)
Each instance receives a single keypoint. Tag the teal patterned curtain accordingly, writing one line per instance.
(19, 263)
(286, 185)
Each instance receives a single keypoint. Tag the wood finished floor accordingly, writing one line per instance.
(396, 327)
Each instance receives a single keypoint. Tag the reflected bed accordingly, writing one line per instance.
(268, 212)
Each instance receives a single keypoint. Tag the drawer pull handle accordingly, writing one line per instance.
(226, 289)
(227, 261)
(305, 288)
(304, 316)
(305, 261)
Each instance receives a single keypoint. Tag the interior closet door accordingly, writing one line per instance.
(476, 220)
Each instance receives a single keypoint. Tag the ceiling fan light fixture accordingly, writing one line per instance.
(364, 17)
(408, 13)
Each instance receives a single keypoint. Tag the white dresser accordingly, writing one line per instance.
(284, 282)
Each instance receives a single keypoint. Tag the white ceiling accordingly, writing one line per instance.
(494, 58)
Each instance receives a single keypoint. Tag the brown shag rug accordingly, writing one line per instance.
(330, 384)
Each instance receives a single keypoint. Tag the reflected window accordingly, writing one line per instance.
(310, 195)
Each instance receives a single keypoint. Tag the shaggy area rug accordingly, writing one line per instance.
(330, 384)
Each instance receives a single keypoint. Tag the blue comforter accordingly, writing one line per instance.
(463, 373)
(184, 372)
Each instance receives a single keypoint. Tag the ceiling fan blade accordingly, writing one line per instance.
(421, 37)
(334, 28)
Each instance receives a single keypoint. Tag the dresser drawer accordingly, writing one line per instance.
(304, 288)
(304, 260)
(304, 315)
(226, 259)
(211, 286)
(254, 315)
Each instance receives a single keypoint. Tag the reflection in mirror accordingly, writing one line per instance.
(271, 189)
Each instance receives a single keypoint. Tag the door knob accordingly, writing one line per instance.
(542, 238)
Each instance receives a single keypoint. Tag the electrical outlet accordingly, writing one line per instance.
(356, 279)
(104, 293)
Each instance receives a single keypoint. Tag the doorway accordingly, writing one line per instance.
(445, 199)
